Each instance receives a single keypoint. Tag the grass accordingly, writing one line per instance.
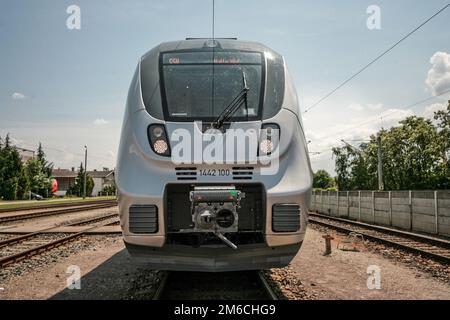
(56, 201)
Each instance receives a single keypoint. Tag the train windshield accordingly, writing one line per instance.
(195, 88)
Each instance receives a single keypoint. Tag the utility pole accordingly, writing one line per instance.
(380, 165)
(380, 161)
(85, 172)
(352, 147)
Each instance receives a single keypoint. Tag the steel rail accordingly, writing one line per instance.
(161, 287)
(404, 240)
(13, 240)
(44, 247)
(163, 291)
(56, 205)
(267, 287)
(38, 214)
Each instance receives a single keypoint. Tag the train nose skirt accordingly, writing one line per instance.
(214, 258)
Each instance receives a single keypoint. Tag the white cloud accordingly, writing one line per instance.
(369, 107)
(438, 78)
(352, 128)
(355, 107)
(67, 150)
(18, 96)
(375, 107)
(431, 109)
(100, 122)
(391, 117)
(16, 142)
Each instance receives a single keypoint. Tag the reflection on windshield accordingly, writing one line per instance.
(189, 88)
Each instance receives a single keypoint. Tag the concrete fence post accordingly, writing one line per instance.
(313, 201)
(316, 206)
(359, 205)
(328, 204)
(373, 207)
(337, 199)
(436, 211)
(410, 211)
(321, 201)
(390, 208)
(348, 204)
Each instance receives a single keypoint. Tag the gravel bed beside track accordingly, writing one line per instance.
(49, 257)
(108, 272)
(239, 285)
(36, 240)
(144, 284)
(437, 269)
(6, 236)
(58, 219)
(287, 286)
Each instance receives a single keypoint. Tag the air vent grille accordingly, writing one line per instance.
(242, 173)
(186, 173)
(143, 219)
(285, 217)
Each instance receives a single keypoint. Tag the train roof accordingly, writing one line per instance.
(221, 44)
(149, 76)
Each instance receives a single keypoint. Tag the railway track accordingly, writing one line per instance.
(24, 246)
(8, 217)
(56, 205)
(430, 247)
(244, 285)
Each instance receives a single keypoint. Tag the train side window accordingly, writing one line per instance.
(274, 94)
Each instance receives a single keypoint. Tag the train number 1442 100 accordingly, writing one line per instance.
(215, 172)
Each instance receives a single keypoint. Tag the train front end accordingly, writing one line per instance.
(213, 170)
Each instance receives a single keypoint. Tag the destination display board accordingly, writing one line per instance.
(228, 57)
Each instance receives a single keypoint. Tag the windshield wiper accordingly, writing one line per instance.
(233, 106)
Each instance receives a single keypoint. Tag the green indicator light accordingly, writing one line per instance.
(233, 193)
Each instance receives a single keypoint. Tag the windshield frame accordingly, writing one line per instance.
(168, 117)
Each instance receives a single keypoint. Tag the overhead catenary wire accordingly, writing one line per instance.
(213, 57)
(342, 84)
(375, 119)
(45, 147)
(386, 115)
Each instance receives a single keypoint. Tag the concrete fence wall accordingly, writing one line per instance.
(423, 211)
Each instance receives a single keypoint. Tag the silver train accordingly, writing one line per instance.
(213, 172)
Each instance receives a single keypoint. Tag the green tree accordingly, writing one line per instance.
(23, 184)
(443, 123)
(109, 189)
(16, 179)
(10, 168)
(353, 168)
(414, 157)
(77, 188)
(38, 179)
(48, 166)
(322, 180)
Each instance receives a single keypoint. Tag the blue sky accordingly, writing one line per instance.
(67, 88)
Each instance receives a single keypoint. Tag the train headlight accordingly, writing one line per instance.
(266, 146)
(160, 146)
(158, 139)
(157, 131)
(269, 138)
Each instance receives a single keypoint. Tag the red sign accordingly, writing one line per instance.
(54, 188)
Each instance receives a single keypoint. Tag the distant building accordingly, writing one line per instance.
(25, 154)
(102, 178)
(65, 178)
